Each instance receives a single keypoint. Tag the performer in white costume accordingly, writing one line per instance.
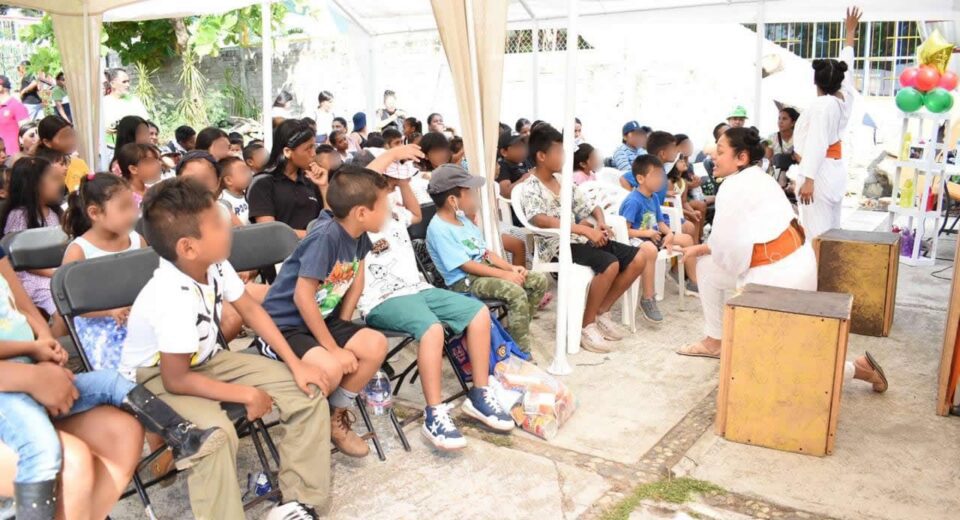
(756, 238)
(822, 179)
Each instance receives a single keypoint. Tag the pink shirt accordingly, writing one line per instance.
(11, 113)
(579, 177)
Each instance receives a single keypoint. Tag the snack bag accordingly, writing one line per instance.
(546, 403)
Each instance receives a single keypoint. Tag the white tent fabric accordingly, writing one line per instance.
(79, 41)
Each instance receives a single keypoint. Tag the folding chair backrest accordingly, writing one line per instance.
(419, 230)
(39, 248)
(104, 283)
(426, 265)
(257, 246)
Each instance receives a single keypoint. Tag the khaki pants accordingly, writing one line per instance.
(304, 448)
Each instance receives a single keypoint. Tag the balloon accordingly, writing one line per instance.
(935, 51)
(948, 80)
(908, 78)
(938, 100)
(927, 78)
(909, 99)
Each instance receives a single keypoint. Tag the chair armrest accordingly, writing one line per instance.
(676, 217)
(619, 226)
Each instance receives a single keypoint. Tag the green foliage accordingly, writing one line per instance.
(673, 490)
(150, 42)
(235, 97)
(46, 58)
(144, 88)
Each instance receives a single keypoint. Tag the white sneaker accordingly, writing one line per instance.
(592, 340)
(292, 510)
(608, 327)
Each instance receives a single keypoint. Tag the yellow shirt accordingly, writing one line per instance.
(77, 169)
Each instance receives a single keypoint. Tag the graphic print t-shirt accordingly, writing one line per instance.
(641, 211)
(451, 246)
(328, 254)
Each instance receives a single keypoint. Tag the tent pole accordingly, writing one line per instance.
(758, 76)
(866, 59)
(91, 130)
(535, 69)
(266, 66)
(560, 365)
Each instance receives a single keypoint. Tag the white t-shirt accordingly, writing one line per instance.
(391, 265)
(239, 206)
(176, 315)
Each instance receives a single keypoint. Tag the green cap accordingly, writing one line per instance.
(738, 111)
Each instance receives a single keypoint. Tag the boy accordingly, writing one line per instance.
(316, 291)
(395, 297)
(3, 153)
(173, 349)
(649, 228)
(512, 149)
(634, 141)
(616, 266)
(236, 144)
(255, 155)
(234, 180)
(185, 139)
(467, 266)
(392, 137)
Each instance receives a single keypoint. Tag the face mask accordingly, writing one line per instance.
(457, 211)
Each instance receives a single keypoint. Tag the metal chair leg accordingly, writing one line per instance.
(144, 498)
(399, 429)
(372, 432)
(268, 440)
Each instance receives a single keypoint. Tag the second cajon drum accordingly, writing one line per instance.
(781, 368)
(864, 264)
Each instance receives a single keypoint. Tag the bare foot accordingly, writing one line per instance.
(868, 371)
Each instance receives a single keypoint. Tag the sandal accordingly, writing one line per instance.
(697, 349)
(882, 385)
(547, 298)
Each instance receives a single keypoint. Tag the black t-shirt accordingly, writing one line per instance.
(31, 97)
(513, 172)
(295, 203)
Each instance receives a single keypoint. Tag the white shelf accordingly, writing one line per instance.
(913, 212)
(920, 164)
(919, 261)
(923, 114)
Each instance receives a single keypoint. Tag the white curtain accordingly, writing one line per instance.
(80, 56)
(473, 33)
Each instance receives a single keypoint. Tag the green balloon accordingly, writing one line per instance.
(909, 99)
(938, 100)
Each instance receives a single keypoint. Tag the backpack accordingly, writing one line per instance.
(502, 347)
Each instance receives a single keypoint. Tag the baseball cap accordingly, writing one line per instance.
(450, 176)
(738, 111)
(508, 139)
(631, 126)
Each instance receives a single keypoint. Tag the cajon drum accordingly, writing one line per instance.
(864, 264)
(781, 368)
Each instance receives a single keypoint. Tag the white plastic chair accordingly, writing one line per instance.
(506, 218)
(569, 306)
(608, 175)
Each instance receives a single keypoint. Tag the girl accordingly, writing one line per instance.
(358, 138)
(411, 126)
(324, 115)
(822, 180)
(28, 137)
(140, 166)
(130, 129)
(214, 141)
(341, 144)
(436, 151)
(58, 134)
(586, 161)
(523, 127)
(35, 195)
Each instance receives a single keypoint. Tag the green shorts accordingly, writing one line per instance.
(416, 313)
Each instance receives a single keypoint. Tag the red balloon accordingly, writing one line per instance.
(908, 78)
(948, 80)
(927, 78)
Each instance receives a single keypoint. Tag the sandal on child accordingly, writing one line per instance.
(882, 385)
(697, 349)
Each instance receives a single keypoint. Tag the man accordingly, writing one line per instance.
(30, 91)
(634, 139)
(738, 117)
(60, 99)
(12, 113)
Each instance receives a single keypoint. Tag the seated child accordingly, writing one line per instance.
(255, 155)
(616, 266)
(140, 166)
(648, 228)
(395, 297)
(236, 144)
(316, 291)
(26, 427)
(460, 254)
(173, 348)
(234, 179)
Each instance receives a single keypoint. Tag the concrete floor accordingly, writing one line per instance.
(894, 458)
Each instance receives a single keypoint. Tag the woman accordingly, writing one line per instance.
(389, 115)
(117, 104)
(782, 144)
(822, 180)
(358, 138)
(756, 239)
(324, 116)
(58, 134)
(28, 138)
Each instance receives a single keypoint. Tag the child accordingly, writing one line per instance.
(392, 138)
(648, 227)
(214, 141)
(3, 152)
(173, 349)
(512, 150)
(4, 182)
(36, 190)
(234, 180)
(341, 144)
(395, 297)
(57, 133)
(616, 266)
(436, 151)
(26, 427)
(457, 248)
(140, 166)
(203, 167)
(255, 155)
(236, 144)
(586, 161)
(185, 139)
(314, 295)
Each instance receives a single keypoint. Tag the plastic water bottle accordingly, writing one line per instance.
(377, 393)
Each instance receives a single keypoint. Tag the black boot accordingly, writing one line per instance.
(189, 443)
(36, 500)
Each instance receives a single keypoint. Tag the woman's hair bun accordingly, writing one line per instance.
(746, 140)
(842, 66)
(819, 64)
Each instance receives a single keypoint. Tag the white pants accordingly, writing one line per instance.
(819, 217)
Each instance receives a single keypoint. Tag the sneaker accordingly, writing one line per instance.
(692, 288)
(482, 405)
(592, 340)
(650, 310)
(342, 435)
(439, 429)
(609, 328)
(292, 510)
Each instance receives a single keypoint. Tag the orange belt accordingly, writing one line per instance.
(780, 247)
(835, 151)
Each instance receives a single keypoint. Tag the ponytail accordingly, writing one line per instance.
(95, 190)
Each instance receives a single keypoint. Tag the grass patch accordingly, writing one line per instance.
(503, 441)
(676, 491)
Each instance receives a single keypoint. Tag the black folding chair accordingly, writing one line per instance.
(38, 248)
(112, 282)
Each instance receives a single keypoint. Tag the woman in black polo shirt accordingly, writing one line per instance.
(291, 188)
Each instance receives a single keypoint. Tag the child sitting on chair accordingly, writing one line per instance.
(460, 254)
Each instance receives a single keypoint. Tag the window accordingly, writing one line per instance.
(521, 41)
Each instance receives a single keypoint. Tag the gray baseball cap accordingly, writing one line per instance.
(450, 176)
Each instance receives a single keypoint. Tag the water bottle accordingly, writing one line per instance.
(377, 393)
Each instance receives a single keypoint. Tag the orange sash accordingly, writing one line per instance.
(780, 247)
(835, 151)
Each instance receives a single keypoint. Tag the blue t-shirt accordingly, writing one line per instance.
(451, 246)
(329, 254)
(641, 211)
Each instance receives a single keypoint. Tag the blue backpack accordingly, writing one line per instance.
(502, 346)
